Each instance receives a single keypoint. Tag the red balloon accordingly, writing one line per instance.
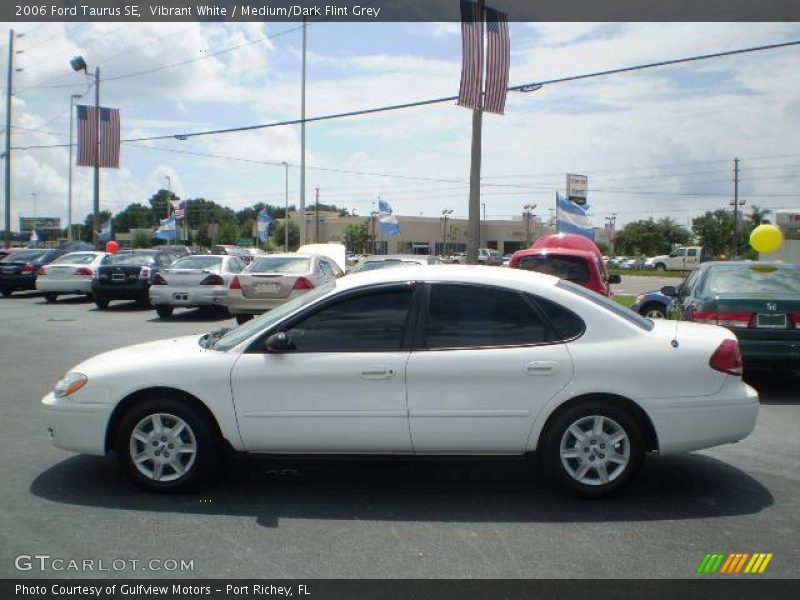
(112, 247)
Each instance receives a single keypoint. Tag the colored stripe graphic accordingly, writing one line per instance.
(733, 563)
(711, 562)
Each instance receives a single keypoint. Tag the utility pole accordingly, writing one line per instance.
(610, 228)
(316, 217)
(474, 227)
(528, 214)
(96, 214)
(736, 205)
(72, 99)
(286, 209)
(303, 144)
(445, 217)
(8, 136)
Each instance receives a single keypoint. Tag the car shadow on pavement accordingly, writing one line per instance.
(690, 486)
(199, 315)
(778, 387)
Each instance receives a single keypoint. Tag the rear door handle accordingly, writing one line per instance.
(541, 367)
(376, 372)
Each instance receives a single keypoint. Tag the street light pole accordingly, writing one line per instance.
(72, 99)
(96, 207)
(527, 214)
(9, 81)
(286, 210)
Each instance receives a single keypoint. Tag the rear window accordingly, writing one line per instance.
(755, 279)
(132, 258)
(24, 256)
(383, 264)
(571, 268)
(197, 262)
(75, 259)
(293, 265)
(608, 304)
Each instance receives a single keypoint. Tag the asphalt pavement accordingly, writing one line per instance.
(277, 518)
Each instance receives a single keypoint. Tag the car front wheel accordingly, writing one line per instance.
(594, 449)
(164, 312)
(50, 297)
(101, 303)
(166, 445)
(653, 311)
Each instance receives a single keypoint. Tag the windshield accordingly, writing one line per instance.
(294, 265)
(755, 279)
(268, 319)
(608, 304)
(78, 258)
(197, 262)
(24, 256)
(128, 258)
(383, 264)
(571, 268)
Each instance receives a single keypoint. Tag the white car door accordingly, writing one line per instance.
(341, 386)
(487, 364)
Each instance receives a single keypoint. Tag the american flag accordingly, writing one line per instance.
(469, 94)
(498, 59)
(177, 208)
(87, 137)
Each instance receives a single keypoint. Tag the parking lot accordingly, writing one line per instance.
(281, 518)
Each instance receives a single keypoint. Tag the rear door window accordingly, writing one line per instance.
(571, 268)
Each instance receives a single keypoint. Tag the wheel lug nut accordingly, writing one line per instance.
(163, 439)
(602, 456)
(602, 446)
(594, 442)
(585, 449)
(170, 446)
(157, 453)
(166, 454)
(591, 458)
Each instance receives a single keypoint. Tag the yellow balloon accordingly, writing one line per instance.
(766, 238)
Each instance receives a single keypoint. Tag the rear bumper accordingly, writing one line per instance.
(135, 291)
(762, 353)
(64, 286)
(694, 423)
(209, 295)
(76, 426)
(239, 305)
(18, 282)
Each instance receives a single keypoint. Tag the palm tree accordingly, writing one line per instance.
(758, 215)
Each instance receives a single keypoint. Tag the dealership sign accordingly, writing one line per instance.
(577, 188)
(40, 223)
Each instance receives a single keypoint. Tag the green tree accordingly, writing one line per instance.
(141, 239)
(134, 216)
(355, 237)
(650, 237)
(277, 231)
(158, 203)
(758, 215)
(714, 231)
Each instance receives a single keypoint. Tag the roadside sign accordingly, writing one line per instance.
(39, 223)
(577, 188)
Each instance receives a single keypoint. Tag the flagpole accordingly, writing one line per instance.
(474, 226)
(303, 144)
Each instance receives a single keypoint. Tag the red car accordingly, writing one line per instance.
(583, 267)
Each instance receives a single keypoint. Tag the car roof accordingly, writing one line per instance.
(380, 257)
(558, 251)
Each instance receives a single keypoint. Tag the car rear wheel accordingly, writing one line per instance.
(653, 310)
(50, 297)
(164, 312)
(6, 292)
(243, 318)
(101, 303)
(166, 445)
(594, 449)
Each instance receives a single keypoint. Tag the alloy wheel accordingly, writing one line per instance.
(163, 447)
(595, 450)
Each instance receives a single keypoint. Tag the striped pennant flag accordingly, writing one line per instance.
(469, 94)
(178, 210)
(498, 60)
(109, 135)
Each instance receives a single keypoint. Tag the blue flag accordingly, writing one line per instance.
(262, 225)
(389, 225)
(384, 207)
(106, 232)
(572, 218)
(168, 230)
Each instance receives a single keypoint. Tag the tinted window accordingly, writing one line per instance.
(566, 323)
(755, 279)
(198, 262)
(281, 264)
(128, 258)
(608, 304)
(75, 259)
(691, 252)
(468, 316)
(326, 269)
(369, 323)
(571, 268)
(679, 252)
(24, 256)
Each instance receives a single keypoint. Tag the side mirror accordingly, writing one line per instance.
(278, 342)
(614, 279)
(670, 290)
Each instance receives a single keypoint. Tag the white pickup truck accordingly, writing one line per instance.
(682, 258)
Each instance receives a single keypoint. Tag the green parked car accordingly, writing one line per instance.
(758, 301)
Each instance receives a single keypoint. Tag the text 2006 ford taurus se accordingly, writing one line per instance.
(416, 361)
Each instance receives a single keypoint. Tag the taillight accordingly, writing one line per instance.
(84, 271)
(727, 358)
(28, 268)
(303, 283)
(159, 280)
(41, 271)
(724, 319)
(213, 279)
(795, 319)
(144, 273)
(235, 285)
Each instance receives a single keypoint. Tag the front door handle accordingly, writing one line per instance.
(376, 372)
(541, 367)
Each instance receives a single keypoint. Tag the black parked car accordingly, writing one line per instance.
(18, 270)
(127, 275)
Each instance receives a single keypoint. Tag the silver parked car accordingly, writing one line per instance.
(69, 274)
(385, 261)
(194, 281)
(486, 256)
(271, 280)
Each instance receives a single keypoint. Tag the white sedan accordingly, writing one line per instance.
(416, 361)
(69, 274)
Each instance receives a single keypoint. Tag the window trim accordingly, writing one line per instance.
(256, 346)
(420, 341)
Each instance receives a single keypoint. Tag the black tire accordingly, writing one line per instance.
(653, 310)
(243, 318)
(101, 303)
(164, 312)
(6, 292)
(50, 297)
(661, 267)
(613, 417)
(199, 428)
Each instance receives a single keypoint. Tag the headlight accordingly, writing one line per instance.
(639, 299)
(71, 383)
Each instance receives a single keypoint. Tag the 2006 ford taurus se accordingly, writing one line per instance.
(416, 361)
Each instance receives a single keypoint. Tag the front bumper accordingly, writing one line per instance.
(207, 295)
(694, 423)
(76, 426)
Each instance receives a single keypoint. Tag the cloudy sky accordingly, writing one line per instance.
(655, 143)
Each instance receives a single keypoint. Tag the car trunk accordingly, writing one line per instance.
(118, 274)
(267, 285)
(12, 268)
(187, 277)
(755, 316)
(63, 271)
